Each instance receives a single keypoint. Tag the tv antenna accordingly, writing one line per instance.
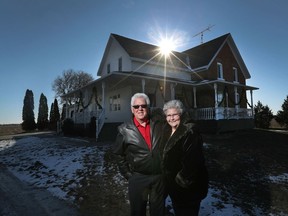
(202, 32)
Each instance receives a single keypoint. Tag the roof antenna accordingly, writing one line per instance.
(201, 33)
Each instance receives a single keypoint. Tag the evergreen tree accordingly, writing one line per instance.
(282, 115)
(51, 117)
(56, 110)
(54, 115)
(42, 120)
(28, 111)
(63, 114)
(263, 115)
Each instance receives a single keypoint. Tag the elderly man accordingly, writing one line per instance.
(139, 158)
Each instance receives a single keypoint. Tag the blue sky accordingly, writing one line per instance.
(39, 39)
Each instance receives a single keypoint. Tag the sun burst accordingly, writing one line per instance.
(166, 46)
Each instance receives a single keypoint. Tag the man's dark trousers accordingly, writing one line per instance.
(145, 189)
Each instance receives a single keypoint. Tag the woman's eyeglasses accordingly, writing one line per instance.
(173, 115)
(137, 106)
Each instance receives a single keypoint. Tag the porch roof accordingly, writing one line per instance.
(118, 79)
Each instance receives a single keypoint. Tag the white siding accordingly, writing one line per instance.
(124, 114)
(115, 52)
(159, 70)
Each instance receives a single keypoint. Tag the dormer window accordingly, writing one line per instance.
(108, 68)
(235, 73)
(220, 70)
(120, 64)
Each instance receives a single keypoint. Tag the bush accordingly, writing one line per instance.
(68, 127)
(92, 127)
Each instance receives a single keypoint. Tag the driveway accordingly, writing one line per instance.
(20, 199)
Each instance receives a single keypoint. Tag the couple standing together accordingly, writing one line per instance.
(161, 158)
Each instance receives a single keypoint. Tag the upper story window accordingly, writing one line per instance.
(235, 72)
(120, 64)
(220, 70)
(108, 68)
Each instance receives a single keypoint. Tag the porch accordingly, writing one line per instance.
(220, 113)
(211, 120)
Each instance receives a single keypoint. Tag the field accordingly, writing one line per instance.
(250, 168)
(10, 129)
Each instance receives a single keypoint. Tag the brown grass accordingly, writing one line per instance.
(10, 129)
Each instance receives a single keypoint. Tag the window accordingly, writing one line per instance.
(108, 68)
(115, 103)
(120, 64)
(235, 72)
(220, 70)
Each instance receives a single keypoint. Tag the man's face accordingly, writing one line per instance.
(140, 112)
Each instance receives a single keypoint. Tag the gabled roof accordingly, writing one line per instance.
(203, 55)
(141, 50)
(200, 57)
(136, 49)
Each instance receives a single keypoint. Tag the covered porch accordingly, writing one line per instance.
(218, 108)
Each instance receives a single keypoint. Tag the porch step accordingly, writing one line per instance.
(109, 132)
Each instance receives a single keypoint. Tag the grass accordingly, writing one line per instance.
(10, 129)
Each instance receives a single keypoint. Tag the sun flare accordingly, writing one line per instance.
(166, 46)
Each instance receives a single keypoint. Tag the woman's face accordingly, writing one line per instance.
(173, 117)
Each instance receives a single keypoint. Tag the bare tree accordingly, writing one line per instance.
(70, 81)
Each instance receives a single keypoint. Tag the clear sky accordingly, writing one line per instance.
(39, 39)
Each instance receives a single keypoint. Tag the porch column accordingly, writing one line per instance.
(143, 85)
(172, 90)
(235, 96)
(194, 97)
(216, 95)
(251, 95)
(216, 101)
(103, 95)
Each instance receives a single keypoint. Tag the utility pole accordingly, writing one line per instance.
(201, 33)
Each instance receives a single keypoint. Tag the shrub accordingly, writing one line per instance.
(68, 127)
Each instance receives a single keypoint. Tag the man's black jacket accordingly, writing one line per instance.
(132, 152)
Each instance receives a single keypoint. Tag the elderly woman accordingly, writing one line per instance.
(184, 167)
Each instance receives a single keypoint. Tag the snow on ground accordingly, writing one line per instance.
(48, 163)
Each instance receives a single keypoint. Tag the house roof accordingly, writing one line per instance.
(200, 57)
(140, 50)
(203, 55)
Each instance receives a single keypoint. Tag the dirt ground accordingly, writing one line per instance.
(241, 164)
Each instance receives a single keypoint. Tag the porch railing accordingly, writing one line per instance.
(218, 113)
(85, 118)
